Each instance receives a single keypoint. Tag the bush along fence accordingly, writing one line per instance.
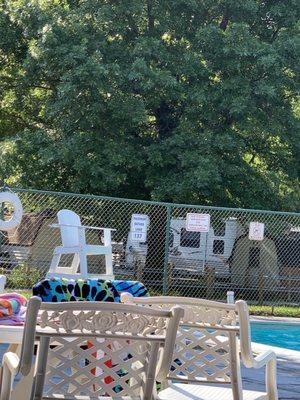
(174, 249)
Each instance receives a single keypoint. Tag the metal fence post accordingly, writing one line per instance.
(230, 297)
(166, 257)
(2, 189)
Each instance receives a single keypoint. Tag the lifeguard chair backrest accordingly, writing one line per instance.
(69, 234)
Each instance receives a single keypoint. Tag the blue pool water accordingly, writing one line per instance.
(277, 334)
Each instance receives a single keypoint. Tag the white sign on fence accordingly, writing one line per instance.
(196, 222)
(256, 231)
(139, 227)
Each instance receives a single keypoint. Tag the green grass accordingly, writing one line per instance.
(276, 311)
(272, 311)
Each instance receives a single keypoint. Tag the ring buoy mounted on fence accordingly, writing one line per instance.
(14, 221)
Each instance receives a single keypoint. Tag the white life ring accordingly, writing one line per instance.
(14, 221)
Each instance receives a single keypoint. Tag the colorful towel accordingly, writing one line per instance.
(136, 288)
(63, 289)
(12, 309)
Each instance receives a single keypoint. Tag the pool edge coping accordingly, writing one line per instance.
(281, 352)
(262, 318)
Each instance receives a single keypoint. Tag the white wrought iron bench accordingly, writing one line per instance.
(206, 361)
(70, 337)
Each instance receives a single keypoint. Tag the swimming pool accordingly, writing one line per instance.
(279, 334)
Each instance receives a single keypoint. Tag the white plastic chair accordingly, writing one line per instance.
(206, 357)
(74, 242)
(2, 283)
(69, 335)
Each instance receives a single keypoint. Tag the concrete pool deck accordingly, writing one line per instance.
(287, 320)
(288, 373)
(288, 365)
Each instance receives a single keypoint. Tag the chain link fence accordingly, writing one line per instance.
(172, 261)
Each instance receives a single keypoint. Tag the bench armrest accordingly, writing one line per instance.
(261, 360)
(268, 360)
(11, 361)
(10, 368)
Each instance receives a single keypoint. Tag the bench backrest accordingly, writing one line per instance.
(97, 349)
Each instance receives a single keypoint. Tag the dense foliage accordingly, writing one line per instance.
(184, 100)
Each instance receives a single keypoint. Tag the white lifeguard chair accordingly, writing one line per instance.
(12, 223)
(74, 242)
(2, 283)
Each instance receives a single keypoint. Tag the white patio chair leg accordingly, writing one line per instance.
(83, 265)
(6, 387)
(108, 264)
(108, 257)
(54, 263)
(75, 264)
(271, 380)
(2, 283)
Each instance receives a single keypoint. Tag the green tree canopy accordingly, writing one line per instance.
(184, 100)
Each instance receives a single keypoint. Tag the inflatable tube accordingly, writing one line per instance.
(14, 221)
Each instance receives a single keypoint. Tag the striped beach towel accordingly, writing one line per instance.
(12, 309)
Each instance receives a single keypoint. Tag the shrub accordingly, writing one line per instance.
(23, 277)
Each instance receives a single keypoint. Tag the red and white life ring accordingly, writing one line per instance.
(14, 221)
